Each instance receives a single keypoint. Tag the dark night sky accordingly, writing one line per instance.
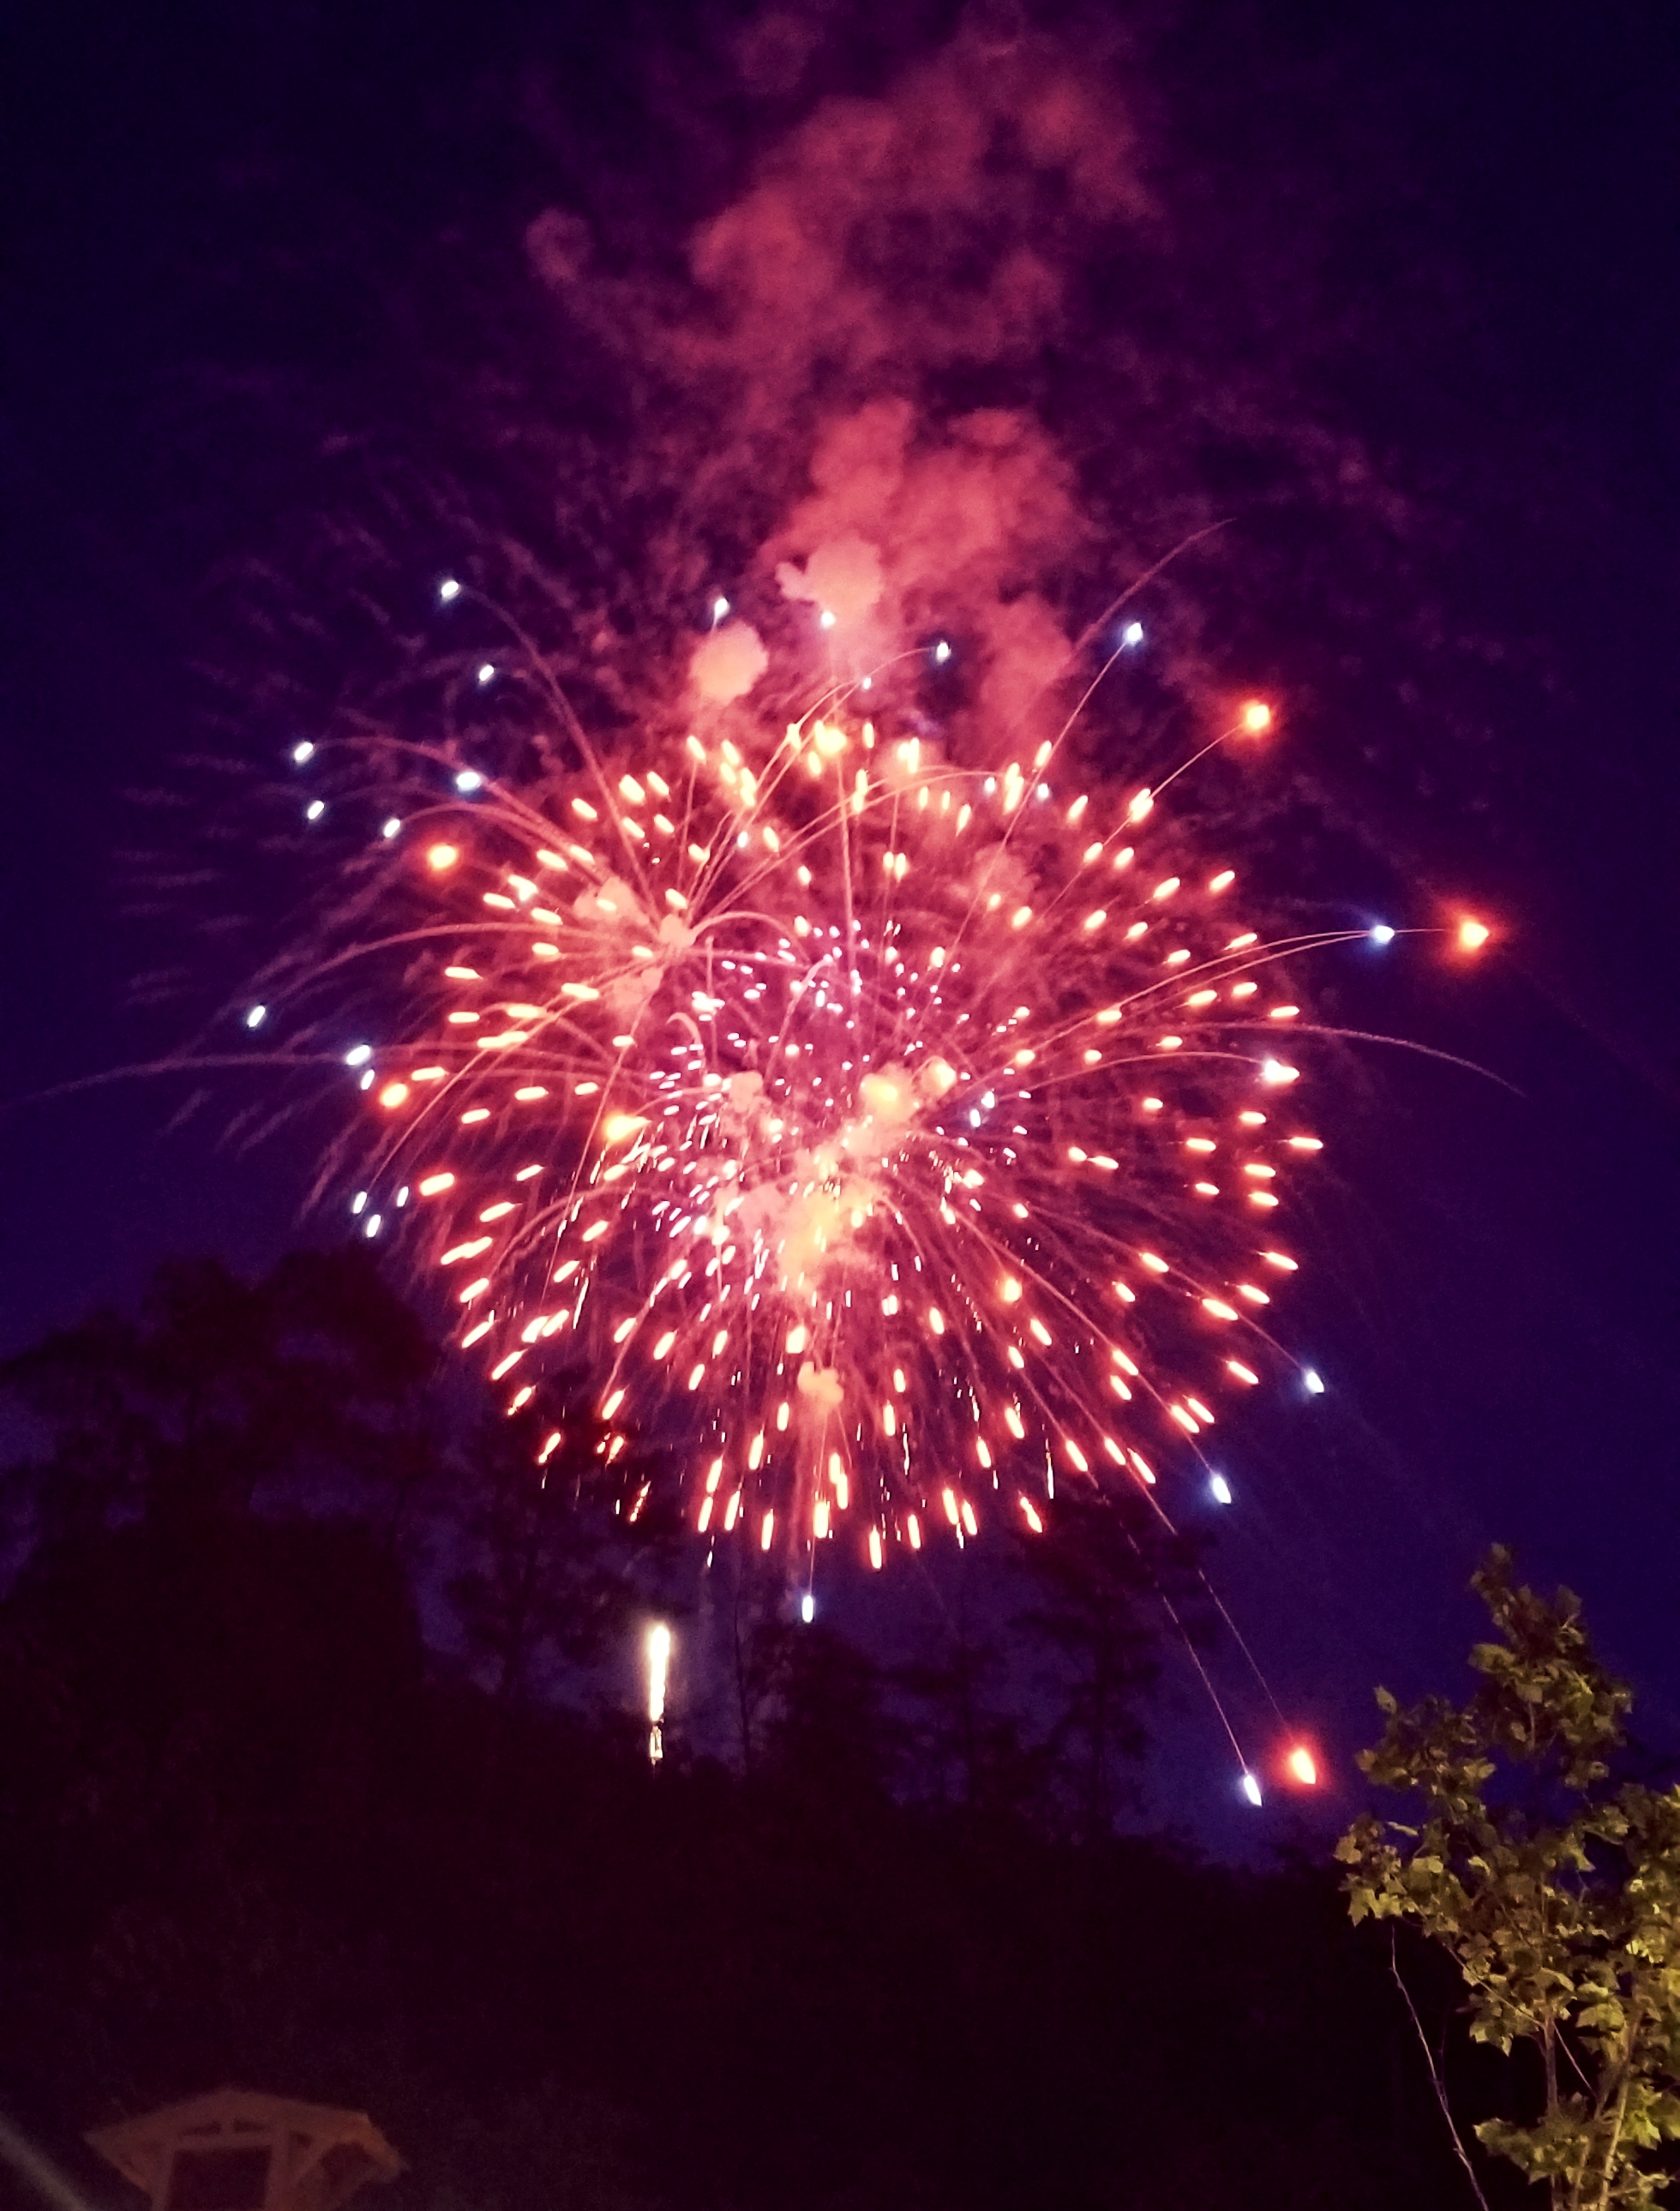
(1493, 1294)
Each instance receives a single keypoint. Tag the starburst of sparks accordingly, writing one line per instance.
(894, 1136)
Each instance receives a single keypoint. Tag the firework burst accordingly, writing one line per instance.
(894, 1136)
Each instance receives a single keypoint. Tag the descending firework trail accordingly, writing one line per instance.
(894, 1138)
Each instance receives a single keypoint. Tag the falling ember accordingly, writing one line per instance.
(1473, 935)
(790, 1080)
(659, 1661)
(1302, 1766)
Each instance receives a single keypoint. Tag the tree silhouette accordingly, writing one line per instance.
(970, 1743)
(247, 1827)
(1101, 1576)
(548, 1586)
(218, 1390)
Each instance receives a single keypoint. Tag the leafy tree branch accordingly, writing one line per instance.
(1555, 1888)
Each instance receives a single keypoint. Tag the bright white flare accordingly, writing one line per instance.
(659, 1661)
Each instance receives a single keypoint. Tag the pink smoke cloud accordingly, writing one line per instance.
(843, 576)
(886, 237)
(726, 665)
(883, 244)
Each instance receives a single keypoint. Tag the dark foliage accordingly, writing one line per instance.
(245, 1836)
(253, 1828)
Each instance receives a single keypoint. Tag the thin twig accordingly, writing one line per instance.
(1439, 2085)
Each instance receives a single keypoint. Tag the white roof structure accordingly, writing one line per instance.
(235, 2150)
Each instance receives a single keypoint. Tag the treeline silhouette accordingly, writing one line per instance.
(321, 1770)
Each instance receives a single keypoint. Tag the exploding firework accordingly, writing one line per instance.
(894, 1136)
